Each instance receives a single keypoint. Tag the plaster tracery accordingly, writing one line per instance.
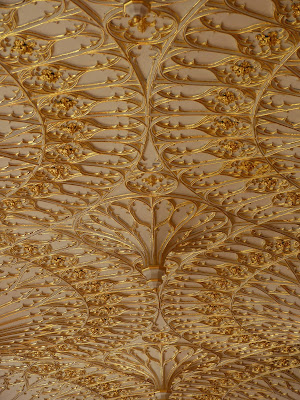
(149, 200)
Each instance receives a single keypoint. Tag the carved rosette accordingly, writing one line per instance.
(149, 200)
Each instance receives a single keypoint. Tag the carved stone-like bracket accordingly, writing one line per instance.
(162, 395)
(154, 275)
(137, 8)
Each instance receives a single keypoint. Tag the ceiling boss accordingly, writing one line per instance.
(138, 11)
(137, 8)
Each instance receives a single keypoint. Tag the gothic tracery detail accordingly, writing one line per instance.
(149, 200)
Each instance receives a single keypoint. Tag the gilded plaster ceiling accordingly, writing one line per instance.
(149, 209)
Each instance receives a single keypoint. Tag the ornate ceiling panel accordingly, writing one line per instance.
(149, 200)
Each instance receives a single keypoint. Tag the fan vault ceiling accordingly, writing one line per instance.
(149, 210)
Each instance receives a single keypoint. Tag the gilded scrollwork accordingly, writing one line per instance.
(152, 28)
(149, 200)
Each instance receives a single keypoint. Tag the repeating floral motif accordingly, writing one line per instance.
(149, 200)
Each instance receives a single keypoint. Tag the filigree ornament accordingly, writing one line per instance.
(67, 152)
(267, 184)
(271, 42)
(51, 79)
(250, 167)
(19, 374)
(162, 364)
(229, 100)
(200, 129)
(139, 228)
(22, 319)
(50, 76)
(232, 149)
(59, 171)
(242, 72)
(203, 291)
(288, 12)
(23, 47)
(288, 199)
(8, 21)
(66, 106)
(151, 183)
(236, 379)
(175, 100)
(185, 67)
(141, 23)
(98, 70)
(152, 28)
(149, 212)
(164, 338)
(24, 50)
(14, 174)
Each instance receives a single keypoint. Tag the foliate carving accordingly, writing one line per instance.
(155, 183)
(59, 171)
(269, 39)
(244, 72)
(144, 232)
(29, 320)
(228, 100)
(65, 106)
(295, 10)
(23, 47)
(249, 168)
(149, 211)
(232, 148)
(267, 184)
(26, 49)
(50, 76)
(242, 68)
(173, 361)
(226, 123)
(288, 13)
(151, 28)
(141, 23)
(287, 199)
(270, 42)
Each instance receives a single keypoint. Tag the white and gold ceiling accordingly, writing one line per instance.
(149, 210)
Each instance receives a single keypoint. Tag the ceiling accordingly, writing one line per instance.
(149, 210)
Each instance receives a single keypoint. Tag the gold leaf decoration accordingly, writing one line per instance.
(149, 200)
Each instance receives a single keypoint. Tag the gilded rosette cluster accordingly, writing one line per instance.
(149, 200)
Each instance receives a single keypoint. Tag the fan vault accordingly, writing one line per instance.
(149, 210)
